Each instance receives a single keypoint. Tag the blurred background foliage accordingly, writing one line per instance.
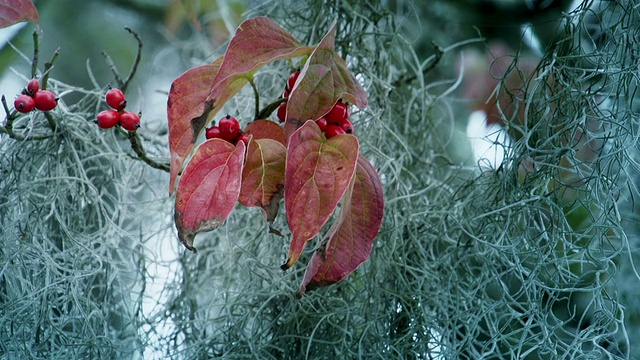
(529, 258)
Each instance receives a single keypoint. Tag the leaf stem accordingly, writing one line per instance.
(257, 97)
(270, 108)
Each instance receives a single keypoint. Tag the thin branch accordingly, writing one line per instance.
(114, 69)
(36, 51)
(47, 67)
(51, 120)
(136, 62)
(136, 145)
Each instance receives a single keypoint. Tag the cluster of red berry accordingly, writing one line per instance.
(333, 123)
(228, 129)
(34, 98)
(107, 119)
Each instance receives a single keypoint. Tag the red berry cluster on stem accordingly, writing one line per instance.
(228, 129)
(107, 119)
(336, 121)
(34, 98)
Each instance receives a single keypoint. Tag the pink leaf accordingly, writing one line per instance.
(209, 188)
(263, 176)
(14, 11)
(266, 129)
(258, 41)
(323, 80)
(351, 238)
(317, 174)
(188, 111)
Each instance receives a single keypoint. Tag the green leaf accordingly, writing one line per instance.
(323, 80)
(263, 176)
(15, 11)
(209, 188)
(317, 174)
(351, 238)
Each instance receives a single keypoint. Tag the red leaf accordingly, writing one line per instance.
(209, 188)
(317, 174)
(263, 176)
(323, 80)
(14, 11)
(188, 111)
(258, 41)
(351, 238)
(266, 129)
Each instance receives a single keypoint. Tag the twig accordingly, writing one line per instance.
(47, 67)
(136, 145)
(136, 62)
(36, 51)
(114, 68)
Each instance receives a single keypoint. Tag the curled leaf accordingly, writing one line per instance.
(317, 174)
(208, 189)
(263, 176)
(351, 238)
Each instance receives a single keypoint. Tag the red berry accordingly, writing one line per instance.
(285, 94)
(338, 112)
(213, 133)
(322, 124)
(116, 99)
(282, 111)
(33, 86)
(244, 137)
(292, 80)
(346, 125)
(129, 120)
(24, 103)
(45, 100)
(229, 128)
(108, 119)
(333, 130)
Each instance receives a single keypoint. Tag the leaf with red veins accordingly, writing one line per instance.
(266, 129)
(351, 238)
(188, 111)
(317, 174)
(263, 176)
(323, 80)
(208, 189)
(15, 11)
(257, 42)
